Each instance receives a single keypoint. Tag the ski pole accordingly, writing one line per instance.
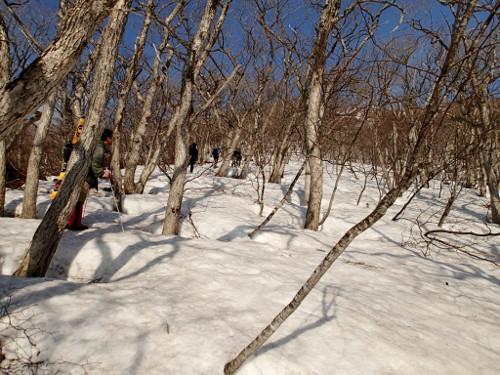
(115, 201)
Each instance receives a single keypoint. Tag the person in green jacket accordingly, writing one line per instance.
(96, 171)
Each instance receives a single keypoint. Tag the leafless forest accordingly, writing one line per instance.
(407, 89)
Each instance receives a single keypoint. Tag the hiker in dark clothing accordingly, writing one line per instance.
(215, 155)
(96, 170)
(193, 156)
(236, 158)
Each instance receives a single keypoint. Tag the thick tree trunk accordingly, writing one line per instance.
(228, 152)
(47, 236)
(33, 172)
(25, 94)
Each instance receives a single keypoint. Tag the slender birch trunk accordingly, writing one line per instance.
(200, 47)
(33, 172)
(5, 73)
(157, 76)
(328, 19)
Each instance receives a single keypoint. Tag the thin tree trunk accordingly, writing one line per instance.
(202, 42)
(5, 73)
(332, 196)
(126, 87)
(280, 155)
(454, 193)
(133, 156)
(280, 204)
(33, 172)
(3, 175)
(311, 282)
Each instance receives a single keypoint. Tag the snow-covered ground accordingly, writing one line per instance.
(120, 298)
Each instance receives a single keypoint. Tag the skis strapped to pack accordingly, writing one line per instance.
(68, 147)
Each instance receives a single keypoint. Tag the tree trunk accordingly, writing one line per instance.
(33, 172)
(47, 236)
(311, 282)
(228, 152)
(489, 153)
(280, 204)
(5, 72)
(200, 47)
(314, 156)
(25, 94)
(281, 154)
(454, 193)
(133, 156)
(3, 175)
(328, 19)
(176, 193)
(126, 86)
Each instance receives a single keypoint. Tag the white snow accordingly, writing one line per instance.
(138, 302)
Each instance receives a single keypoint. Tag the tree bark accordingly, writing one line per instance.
(33, 171)
(24, 95)
(328, 19)
(200, 47)
(5, 72)
(133, 156)
(47, 236)
(281, 155)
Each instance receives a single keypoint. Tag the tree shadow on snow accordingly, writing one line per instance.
(328, 310)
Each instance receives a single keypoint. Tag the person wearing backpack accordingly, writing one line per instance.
(96, 170)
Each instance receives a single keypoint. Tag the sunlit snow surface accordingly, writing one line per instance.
(138, 302)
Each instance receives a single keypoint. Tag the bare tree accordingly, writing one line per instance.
(47, 236)
(25, 94)
(487, 132)
(443, 85)
(328, 19)
(130, 74)
(198, 50)
(5, 72)
(33, 171)
(157, 76)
